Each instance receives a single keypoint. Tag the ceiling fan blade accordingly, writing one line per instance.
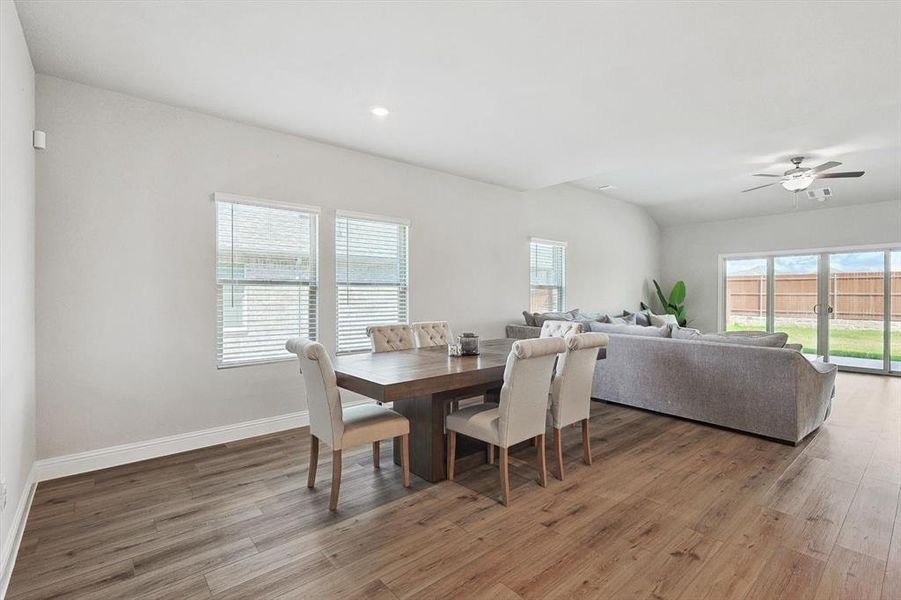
(759, 186)
(765, 175)
(826, 165)
(838, 175)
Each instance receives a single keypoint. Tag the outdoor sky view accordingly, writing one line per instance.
(858, 262)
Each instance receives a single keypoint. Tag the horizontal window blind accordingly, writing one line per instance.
(371, 259)
(547, 277)
(266, 279)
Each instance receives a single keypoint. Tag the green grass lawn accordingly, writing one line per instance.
(853, 343)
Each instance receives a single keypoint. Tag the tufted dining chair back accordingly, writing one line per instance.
(523, 400)
(390, 338)
(571, 385)
(560, 328)
(432, 333)
(323, 397)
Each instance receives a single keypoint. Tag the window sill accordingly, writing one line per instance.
(268, 361)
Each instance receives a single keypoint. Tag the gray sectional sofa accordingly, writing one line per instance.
(749, 382)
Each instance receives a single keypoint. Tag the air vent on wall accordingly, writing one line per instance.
(820, 194)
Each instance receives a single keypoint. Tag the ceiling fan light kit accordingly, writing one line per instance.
(797, 183)
(799, 178)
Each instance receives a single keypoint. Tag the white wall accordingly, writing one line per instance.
(690, 252)
(17, 396)
(125, 281)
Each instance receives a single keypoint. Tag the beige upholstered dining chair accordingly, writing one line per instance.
(570, 396)
(560, 328)
(521, 413)
(341, 427)
(389, 338)
(432, 333)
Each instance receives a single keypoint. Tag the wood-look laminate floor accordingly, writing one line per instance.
(670, 509)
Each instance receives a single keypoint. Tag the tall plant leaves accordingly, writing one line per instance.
(673, 305)
(663, 300)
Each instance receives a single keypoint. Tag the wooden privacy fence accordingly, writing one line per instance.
(852, 295)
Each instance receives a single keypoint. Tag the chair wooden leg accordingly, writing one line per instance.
(314, 460)
(558, 451)
(490, 454)
(586, 443)
(336, 480)
(405, 458)
(451, 451)
(375, 455)
(542, 462)
(505, 477)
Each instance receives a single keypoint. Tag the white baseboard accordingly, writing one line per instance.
(11, 547)
(92, 460)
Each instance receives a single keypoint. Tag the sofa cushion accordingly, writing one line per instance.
(661, 320)
(617, 329)
(769, 340)
(591, 316)
(643, 317)
(569, 315)
(529, 318)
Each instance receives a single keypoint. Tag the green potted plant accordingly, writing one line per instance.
(673, 305)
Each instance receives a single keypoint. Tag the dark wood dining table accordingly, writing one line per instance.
(421, 383)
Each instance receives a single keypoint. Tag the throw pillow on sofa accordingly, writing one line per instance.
(661, 320)
(627, 318)
(643, 317)
(592, 316)
(569, 315)
(529, 318)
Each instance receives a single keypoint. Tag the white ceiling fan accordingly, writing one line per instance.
(800, 178)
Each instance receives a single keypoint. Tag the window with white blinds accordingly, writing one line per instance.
(266, 279)
(371, 263)
(547, 277)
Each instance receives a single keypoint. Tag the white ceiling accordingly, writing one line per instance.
(675, 104)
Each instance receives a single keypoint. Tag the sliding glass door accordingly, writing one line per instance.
(856, 309)
(746, 295)
(842, 305)
(795, 300)
(894, 312)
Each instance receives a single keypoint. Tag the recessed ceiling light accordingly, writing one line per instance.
(379, 111)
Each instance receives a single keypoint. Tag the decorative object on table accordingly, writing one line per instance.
(469, 344)
(674, 304)
(454, 349)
